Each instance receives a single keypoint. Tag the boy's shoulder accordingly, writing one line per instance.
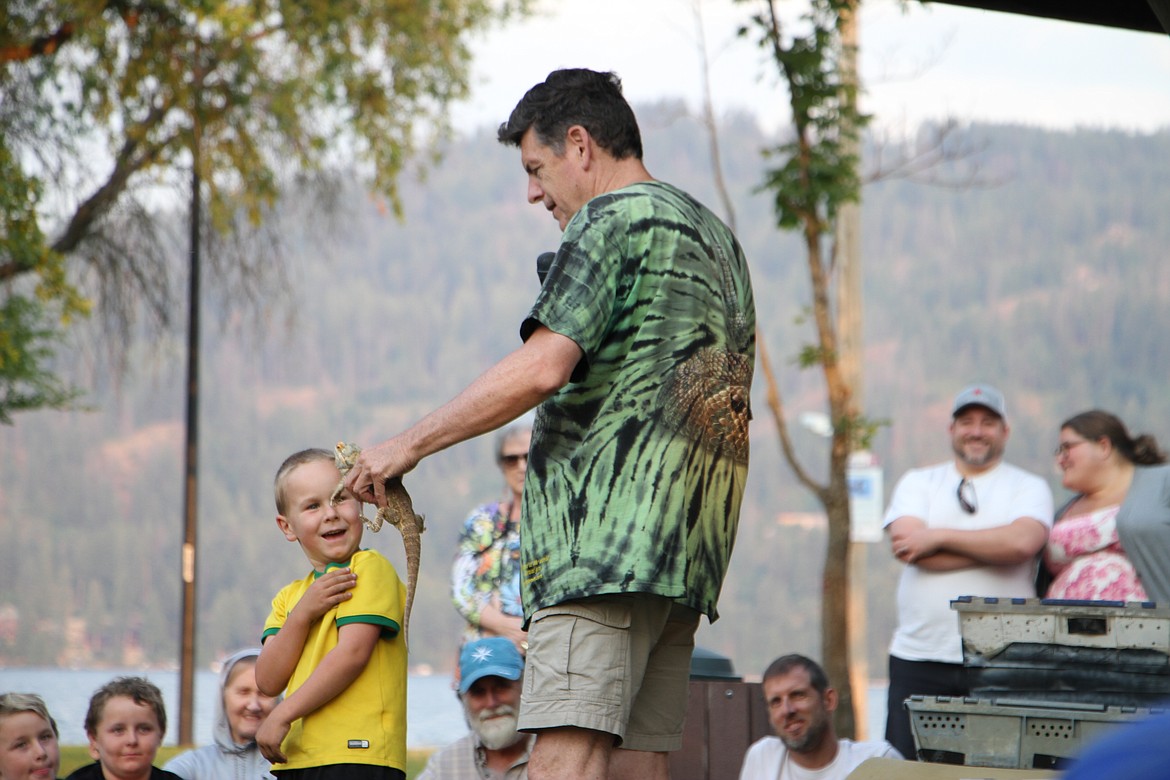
(366, 554)
(371, 560)
(374, 570)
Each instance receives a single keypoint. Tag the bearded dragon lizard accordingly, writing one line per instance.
(399, 512)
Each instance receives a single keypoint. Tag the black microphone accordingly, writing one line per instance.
(544, 261)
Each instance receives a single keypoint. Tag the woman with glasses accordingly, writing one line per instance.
(485, 580)
(1111, 541)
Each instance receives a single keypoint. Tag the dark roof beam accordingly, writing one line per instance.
(1141, 15)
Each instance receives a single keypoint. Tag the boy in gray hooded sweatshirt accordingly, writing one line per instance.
(239, 711)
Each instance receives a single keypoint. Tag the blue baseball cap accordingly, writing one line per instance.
(493, 656)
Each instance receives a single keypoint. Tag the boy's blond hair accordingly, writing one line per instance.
(291, 463)
(16, 703)
(141, 690)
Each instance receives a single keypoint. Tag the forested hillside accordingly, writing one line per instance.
(1049, 280)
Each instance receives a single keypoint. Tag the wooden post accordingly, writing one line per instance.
(849, 310)
(191, 452)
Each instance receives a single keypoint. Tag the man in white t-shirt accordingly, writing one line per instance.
(800, 708)
(968, 527)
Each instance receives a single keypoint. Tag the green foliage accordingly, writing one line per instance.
(262, 87)
(816, 171)
(22, 243)
(26, 346)
(859, 430)
(28, 335)
(812, 355)
(110, 104)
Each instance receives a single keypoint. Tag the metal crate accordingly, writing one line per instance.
(1101, 652)
(989, 625)
(1009, 733)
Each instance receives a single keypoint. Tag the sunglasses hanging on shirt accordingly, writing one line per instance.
(966, 495)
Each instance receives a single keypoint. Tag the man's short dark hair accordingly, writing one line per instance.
(576, 96)
(786, 663)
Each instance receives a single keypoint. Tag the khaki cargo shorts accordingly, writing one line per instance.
(617, 663)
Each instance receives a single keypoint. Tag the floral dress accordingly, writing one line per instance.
(487, 565)
(1085, 556)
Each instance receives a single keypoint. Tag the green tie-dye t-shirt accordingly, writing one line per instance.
(638, 464)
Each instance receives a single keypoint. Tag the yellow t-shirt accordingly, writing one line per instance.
(365, 723)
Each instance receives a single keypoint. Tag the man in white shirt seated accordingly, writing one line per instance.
(489, 686)
(800, 708)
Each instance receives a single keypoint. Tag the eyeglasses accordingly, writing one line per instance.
(966, 495)
(514, 459)
(1065, 447)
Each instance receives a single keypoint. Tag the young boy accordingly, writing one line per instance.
(333, 640)
(28, 739)
(125, 724)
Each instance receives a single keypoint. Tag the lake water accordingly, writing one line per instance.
(433, 714)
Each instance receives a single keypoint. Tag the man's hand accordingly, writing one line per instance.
(901, 531)
(951, 549)
(374, 466)
(326, 592)
(910, 542)
(270, 734)
(282, 650)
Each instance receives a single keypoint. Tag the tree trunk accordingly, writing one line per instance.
(835, 612)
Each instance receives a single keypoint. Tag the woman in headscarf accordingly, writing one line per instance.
(239, 711)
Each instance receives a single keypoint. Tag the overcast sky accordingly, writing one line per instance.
(926, 62)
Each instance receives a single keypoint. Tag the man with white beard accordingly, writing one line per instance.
(489, 687)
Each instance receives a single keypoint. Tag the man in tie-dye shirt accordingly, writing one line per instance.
(639, 351)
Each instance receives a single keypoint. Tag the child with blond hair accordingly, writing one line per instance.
(332, 641)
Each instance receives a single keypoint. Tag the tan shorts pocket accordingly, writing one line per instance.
(579, 651)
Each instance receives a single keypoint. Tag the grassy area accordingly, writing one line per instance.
(76, 756)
